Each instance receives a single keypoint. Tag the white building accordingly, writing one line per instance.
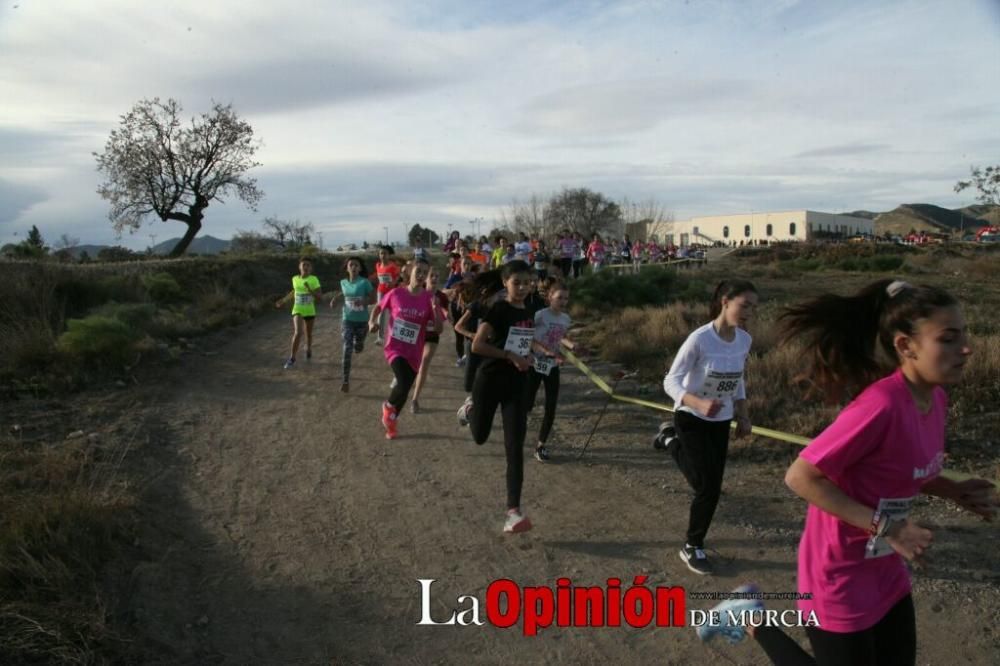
(758, 228)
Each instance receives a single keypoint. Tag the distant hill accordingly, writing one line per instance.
(200, 245)
(91, 250)
(867, 214)
(931, 218)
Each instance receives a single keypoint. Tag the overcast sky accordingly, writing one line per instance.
(380, 114)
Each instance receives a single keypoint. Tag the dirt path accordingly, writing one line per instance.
(280, 527)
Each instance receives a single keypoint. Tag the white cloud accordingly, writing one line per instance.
(376, 113)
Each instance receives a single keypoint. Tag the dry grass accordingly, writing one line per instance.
(65, 513)
(646, 339)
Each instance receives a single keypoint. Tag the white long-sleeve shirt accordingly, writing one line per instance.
(709, 367)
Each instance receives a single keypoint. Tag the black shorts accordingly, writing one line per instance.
(303, 316)
(432, 338)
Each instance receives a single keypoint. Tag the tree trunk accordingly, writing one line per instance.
(194, 226)
(193, 220)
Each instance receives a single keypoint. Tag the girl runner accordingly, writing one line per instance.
(580, 254)
(706, 384)
(431, 338)
(358, 294)
(465, 328)
(595, 253)
(551, 324)
(861, 475)
(504, 338)
(541, 261)
(566, 247)
(636, 255)
(411, 314)
(305, 291)
(387, 273)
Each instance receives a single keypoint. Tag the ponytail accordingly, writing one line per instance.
(491, 282)
(843, 335)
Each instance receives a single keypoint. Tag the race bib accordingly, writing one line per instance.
(895, 510)
(720, 384)
(303, 299)
(519, 340)
(543, 365)
(405, 331)
(385, 278)
(355, 304)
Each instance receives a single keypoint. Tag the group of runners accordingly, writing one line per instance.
(860, 476)
(569, 252)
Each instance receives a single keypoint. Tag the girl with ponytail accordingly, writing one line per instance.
(892, 346)
(706, 384)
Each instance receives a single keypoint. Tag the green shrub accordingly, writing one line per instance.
(135, 315)
(610, 289)
(102, 340)
(162, 287)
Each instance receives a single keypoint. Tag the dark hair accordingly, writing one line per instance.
(552, 282)
(489, 283)
(728, 289)
(404, 273)
(309, 259)
(387, 248)
(364, 269)
(840, 332)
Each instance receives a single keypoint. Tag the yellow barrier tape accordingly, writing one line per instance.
(756, 430)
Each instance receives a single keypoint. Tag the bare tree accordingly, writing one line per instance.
(289, 234)
(526, 217)
(66, 242)
(645, 219)
(154, 165)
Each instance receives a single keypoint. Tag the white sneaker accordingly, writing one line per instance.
(516, 522)
(463, 412)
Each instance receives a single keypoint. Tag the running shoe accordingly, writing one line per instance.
(309, 354)
(695, 559)
(414, 407)
(665, 437)
(378, 341)
(389, 415)
(461, 361)
(516, 522)
(729, 610)
(541, 453)
(345, 387)
(359, 347)
(289, 363)
(463, 412)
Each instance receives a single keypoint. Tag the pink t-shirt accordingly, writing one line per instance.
(880, 451)
(409, 315)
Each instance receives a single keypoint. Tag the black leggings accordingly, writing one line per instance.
(460, 345)
(891, 642)
(551, 398)
(566, 267)
(472, 363)
(701, 455)
(504, 388)
(405, 376)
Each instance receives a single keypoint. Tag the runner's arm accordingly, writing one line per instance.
(373, 318)
(460, 325)
(284, 299)
(976, 495)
